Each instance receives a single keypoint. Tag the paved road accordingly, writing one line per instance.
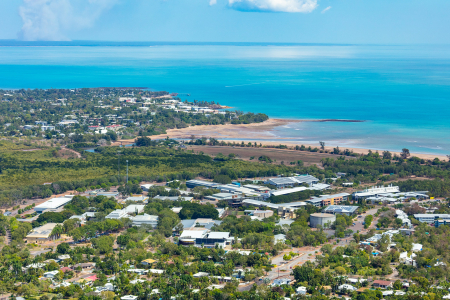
(308, 253)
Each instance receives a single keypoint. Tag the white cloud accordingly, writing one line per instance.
(326, 9)
(50, 20)
(212, 2)
(291, 6)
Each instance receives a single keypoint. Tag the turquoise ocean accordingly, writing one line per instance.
(401, 92)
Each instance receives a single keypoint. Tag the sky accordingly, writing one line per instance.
(274, 21)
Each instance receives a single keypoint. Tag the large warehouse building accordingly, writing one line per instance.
(324, 220)
(52, 204)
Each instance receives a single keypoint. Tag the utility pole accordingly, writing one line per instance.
(127, 171)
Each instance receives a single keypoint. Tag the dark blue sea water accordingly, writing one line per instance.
(402, 92)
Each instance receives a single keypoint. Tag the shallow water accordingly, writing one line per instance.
(402, 92)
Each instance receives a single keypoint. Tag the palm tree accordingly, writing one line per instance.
(57, 231)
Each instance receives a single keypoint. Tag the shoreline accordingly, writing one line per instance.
(260, 133)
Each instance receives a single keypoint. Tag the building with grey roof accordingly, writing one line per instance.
(195, 182)
(282, 182)
(175, 198)
(206, 223)
(341, 209)
(145, 219)
(431, 218)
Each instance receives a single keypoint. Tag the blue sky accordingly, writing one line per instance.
(290, 21)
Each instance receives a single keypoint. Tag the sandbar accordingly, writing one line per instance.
(260, 133)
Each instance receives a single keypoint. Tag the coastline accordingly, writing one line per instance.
(260, 133)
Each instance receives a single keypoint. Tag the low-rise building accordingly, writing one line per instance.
(301, 290)
(341, 210)
(200, 275)
(431, 218)
(41, 234)
(384, 284)
(145, 219)
(137, 198)
(328, 200)
(54, 203)
(117, 215)
(282, 182)
(347, 287)
(51, 274)
(259, 213)
(202, 237)
(280, 238)
(134, 209)
(148, 262)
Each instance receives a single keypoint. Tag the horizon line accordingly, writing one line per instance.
(15, 42)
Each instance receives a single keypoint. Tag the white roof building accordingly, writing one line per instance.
(218, 235)
(374, 191)
(416, 247)
(131, 209)
(145, 219)
(117, 214)
(53, 203)
(51, 274)
(280, 238)
(137, 198)
(129, 297)
(347, 287)
(200, 274)
(291, 181)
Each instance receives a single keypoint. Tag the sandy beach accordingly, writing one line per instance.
(260, 133)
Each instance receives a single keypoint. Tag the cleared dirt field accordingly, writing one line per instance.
(279, 155)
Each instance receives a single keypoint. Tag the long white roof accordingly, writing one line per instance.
(54, 203)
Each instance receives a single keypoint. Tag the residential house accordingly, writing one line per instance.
(51, 274)
(148, 262)
(384, 284)
(347, 287)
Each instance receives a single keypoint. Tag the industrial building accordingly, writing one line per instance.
(431, 218)
(324, 220)
(257, 203)
(223, 196)
(41, 234)
(53, 204)
(326, 200)
(341, 210)
(199, 236)
(193, 183)
(259, 213)
(174, 198)
(282, 182)
(258, 188)
(287, 191)
(202, 223)
(375, 191)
